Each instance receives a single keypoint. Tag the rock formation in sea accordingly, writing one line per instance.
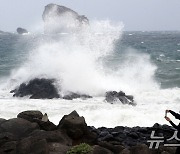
(28, 133)
(21, 31)
(60, 19)
(114, 96)
(41, 88)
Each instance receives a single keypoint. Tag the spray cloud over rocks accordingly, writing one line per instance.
(76, 61)
(76, 58)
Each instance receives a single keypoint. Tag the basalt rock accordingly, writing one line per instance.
(21, 31)
(113, 96)
(59, 19)
(19, 127)
(37, 89)
(31, 115)
(20, 136)
(76, 128)
(42, 89)
(71, 96)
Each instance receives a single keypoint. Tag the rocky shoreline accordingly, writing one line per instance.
(32, 133)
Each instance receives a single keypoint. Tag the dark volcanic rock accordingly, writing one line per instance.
(29, 137)
(21, 31)
(74, 125)
(37, 89)
(113, 96)
(76, 128)
(53, 136)
(72, 96)
(58, 148)
(36, 116)
(19, 127)
(8, 147)
(100, 150)
(32, 145)
(31, 115)
(59, 19)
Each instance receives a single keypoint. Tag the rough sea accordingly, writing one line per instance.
(98, 59)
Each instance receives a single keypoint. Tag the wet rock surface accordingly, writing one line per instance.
(41, 88)
(25, 134)
(37, 89)
(114, 96)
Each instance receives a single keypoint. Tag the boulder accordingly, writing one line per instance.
(36, 116)
(31, 115)
(59, 19)
(113, 96)
(32, 145)
(19, 127)
(58, 148)
(7, 137)
(37, 89)
(21, 31)
(52, 136)
(2, 120)
(48, 126)
(74, 125)
(141, 148)
(100, 150)
(77, 129)
(9, 147)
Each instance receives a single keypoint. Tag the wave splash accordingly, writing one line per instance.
(77, 62)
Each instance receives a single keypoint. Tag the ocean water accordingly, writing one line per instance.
(97, 59)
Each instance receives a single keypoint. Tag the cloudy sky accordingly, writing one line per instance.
(135, 14)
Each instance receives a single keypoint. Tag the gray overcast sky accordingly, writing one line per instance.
(135, 14)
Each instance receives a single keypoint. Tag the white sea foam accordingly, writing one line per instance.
(76, 61)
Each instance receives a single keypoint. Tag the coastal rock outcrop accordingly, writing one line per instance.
(41, 88)
(113, 96)
(60, 19)
(19, 136)
(21, 31)
(37, 89)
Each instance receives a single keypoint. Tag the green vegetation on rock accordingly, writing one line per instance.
(82, 148)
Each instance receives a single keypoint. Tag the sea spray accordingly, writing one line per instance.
(73, 59)
(77, 62)
(129, 70)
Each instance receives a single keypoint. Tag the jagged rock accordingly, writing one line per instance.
(72, 96)
(21, 31)
(74, 125)
(19, 127)
(113, 96)
(37, 89)
(58, 19)
(21, 136)
(76, 128)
